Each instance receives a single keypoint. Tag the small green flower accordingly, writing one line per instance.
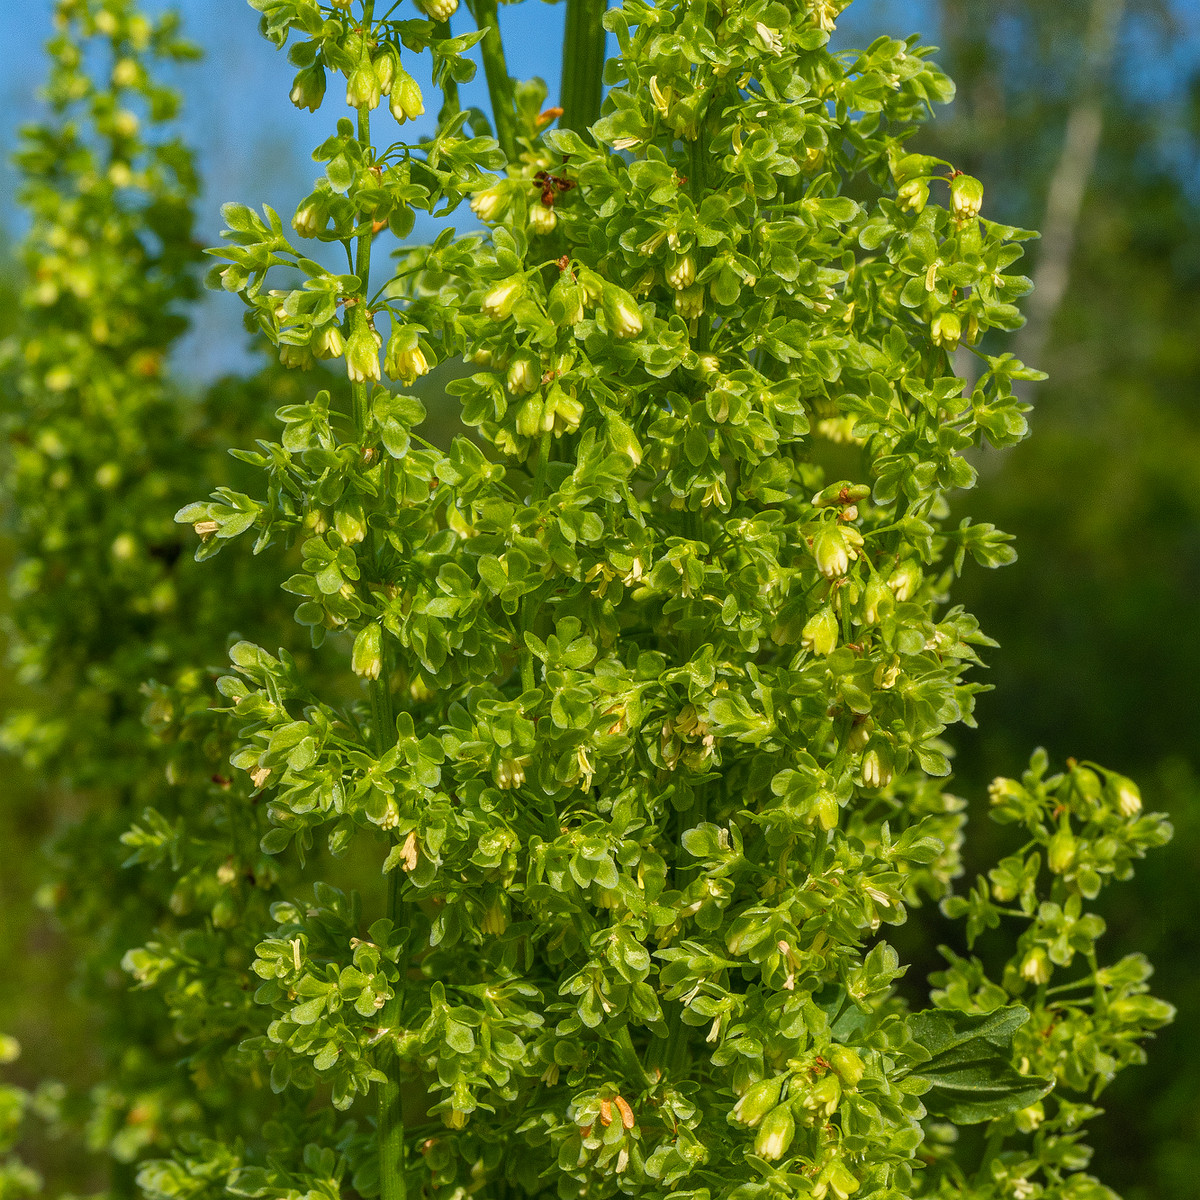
(820, 634)
(775, 1134)
(966, 197)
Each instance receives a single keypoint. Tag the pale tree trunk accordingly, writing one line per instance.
(1068, 184)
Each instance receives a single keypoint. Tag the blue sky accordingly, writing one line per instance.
(253, 145)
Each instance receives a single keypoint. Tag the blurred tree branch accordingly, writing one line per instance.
(1069, 182)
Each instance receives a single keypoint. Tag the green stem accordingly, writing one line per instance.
(392, 1185)
(628, 1057)
(500, 86)
(391, 1121)
(450, 103)
(583, 64)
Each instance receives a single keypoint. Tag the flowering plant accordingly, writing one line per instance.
(636, 689)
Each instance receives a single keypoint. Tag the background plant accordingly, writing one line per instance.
(100, 447)
(745, 738)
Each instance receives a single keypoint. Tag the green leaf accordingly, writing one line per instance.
(969, 1072)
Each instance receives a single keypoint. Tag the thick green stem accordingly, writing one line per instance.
(500, 86)
(391, 1122)
(392, 1185)
(583, 64)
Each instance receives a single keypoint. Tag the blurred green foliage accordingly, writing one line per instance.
(1096, 621)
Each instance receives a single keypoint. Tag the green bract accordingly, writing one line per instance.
(636, 688)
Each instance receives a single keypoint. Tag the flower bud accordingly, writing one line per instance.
(646, 284)
(350, 522)
(759, 1099)
(529, 417)
(495, 919)
(438, 10)
(1001, 790)
(623, 440)
(847, 1064)
(838, 1180)
(824, 811)
(661, 97)
(877, 599)
(860, 735)
(905, 580)
(367, 657)
(821, 632)
(312, 215)
(835, 547)
(407, 103)
(511, 773)
(824, 1096)
(775, 1134)
(566, 307)
(1028, 1119)
(620, 312)
(1126, 795)
(385, 70)
(1035, 966)
(362, 87)
(1061, 851)
(522, 375)
(542, 219)
(689, 303)
(682, 274)
(563, 412)
(296, 358)
(877, 766)
(328, 342)
(946, 330)
(966, 197)
(404, 359)
(913, 195)
(489, 203)
(308, 88)
(498, 303)
(362, 352)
